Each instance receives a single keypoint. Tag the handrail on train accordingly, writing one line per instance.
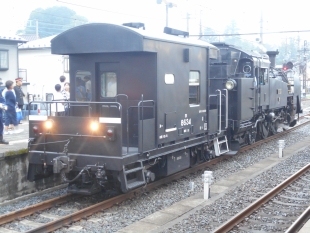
(78, 103)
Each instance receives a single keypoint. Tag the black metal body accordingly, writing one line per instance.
(151, 118)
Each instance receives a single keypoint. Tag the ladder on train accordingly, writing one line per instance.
(220, 145)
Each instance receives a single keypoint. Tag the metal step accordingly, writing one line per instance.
(133, 170)
(217, 148)
(135, 184)
(232, 152)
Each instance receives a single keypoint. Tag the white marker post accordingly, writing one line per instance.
(207, 179)
(281, 147)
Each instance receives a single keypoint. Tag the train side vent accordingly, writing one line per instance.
(175, 32)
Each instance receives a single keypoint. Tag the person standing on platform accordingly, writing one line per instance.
(2, 108)
(10, 115)
(19, 93)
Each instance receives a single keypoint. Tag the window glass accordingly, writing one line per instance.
(4, 59)
(266, 75)
(83, 85)
(108, 84)
(194, 87)
(169, 78)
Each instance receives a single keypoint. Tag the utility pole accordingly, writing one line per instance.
(304, 81)
(200, 25)
(168, 5)
(261, 27)
(37, 29)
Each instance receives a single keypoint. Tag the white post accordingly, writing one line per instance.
(281, 147)
(191, 186)
(207, 179)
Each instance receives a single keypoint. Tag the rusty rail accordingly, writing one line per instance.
(259, 202)
(51, 226)
(34, 208)
(295, 227)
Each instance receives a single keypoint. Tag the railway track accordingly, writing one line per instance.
(59, 221)
(285, 198)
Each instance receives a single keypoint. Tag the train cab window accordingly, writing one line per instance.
(194, 87)
(263, 76)
(108, 84)
(83, 85)
(169, 78)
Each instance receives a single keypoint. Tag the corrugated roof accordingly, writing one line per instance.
(38, 44)
(15, 38)
(29, 37)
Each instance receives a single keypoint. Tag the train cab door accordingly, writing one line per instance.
(107, 80)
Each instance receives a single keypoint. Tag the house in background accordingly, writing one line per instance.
(9, 66)
(42, 68)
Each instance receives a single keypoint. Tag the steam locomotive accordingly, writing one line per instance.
(144, 106)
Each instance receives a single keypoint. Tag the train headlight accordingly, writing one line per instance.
(48, 124)
(94, 126)
(230, 84)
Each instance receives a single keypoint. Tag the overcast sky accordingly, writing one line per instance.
(277, 15)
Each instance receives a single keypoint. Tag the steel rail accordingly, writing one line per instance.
(68, 219)
(295, 227)
(231, 223)
(116, 200)
(34, 208)
(270, 138)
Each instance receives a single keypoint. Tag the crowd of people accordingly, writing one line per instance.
(12, 101)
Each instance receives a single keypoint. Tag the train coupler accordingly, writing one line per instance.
(63, 163)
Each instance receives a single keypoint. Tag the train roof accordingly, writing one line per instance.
(259, 59)
(103, 37)
(249, 52)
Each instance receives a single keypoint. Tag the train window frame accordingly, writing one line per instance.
(83, 77)
(4, 59)
(104, 85)
(194, 85)
(266, 76)
(66, 64)
(169, 79)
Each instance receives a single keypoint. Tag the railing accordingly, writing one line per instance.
(141, 105)
(90, 105)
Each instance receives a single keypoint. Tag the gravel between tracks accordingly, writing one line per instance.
(138, 208)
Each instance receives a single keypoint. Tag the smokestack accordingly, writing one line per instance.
(272, 57)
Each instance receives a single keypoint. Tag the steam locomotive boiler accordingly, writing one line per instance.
(260, 97)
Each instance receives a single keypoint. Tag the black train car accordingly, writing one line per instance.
(259, 97)
(139, 109)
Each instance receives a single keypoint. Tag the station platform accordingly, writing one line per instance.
(18, 143)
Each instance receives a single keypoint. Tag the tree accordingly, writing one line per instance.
(210, 39)
(288, 50)
(232, 29)
(52, 21)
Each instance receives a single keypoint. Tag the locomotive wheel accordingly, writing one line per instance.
(263, 129)
(273, 128)
(251, 137)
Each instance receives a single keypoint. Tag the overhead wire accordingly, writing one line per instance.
(99, 9)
